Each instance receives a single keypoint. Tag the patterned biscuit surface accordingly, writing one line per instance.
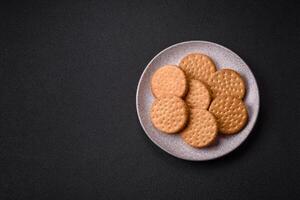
(198, 95)
(201, 130)
(227, 82)
(230, 112)
(169, 80)
(169, 114)
(198, 66)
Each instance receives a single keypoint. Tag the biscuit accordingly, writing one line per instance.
(198, 66)
(169, 80)
(169, 114)
(227, 82)
(198, 95)
(230, 112)
(201, 130)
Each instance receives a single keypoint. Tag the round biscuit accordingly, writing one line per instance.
(230, 112)
(169, 80)
(201, 130)
(198, 66)
(169, 114)
(198, 95)
(227, 82)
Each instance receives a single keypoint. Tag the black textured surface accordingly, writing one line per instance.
(68, 77)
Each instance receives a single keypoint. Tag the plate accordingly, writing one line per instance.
(173, 144)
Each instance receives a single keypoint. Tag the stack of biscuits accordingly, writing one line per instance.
(197, 101)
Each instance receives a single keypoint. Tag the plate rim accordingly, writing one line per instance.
(164, 149)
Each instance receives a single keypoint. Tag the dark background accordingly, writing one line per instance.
(68, 78)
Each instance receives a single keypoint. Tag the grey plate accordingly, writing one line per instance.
(173, 144)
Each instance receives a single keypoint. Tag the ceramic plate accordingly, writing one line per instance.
(173, 144)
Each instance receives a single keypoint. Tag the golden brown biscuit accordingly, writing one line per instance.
(198, 66)
(230, 112)
(201, 130)
(169, 114)
(198, 95)
(227, 82)
(169, 80)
